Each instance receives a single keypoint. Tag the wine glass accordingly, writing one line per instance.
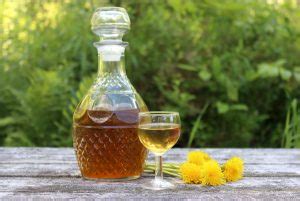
(159, 132)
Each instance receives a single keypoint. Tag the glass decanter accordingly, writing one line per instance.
(105, 123)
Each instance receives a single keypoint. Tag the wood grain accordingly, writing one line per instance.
(71, 170)
(70, 188)
(52, 173)
(66, 155)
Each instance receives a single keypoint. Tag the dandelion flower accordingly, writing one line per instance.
(190, 173)
(198, 157)
(212, 174)
(233, 169)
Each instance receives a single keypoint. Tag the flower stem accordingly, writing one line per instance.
(171, 169)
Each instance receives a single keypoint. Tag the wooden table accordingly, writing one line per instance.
(52, 173)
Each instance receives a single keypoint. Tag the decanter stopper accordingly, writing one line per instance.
(110, 23)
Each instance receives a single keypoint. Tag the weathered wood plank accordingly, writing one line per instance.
(71, 188)
(63, 184)
(71, 170)
(61, 162)
(66, 155)
(233, 195)
(66, 151)
(269, 159)
(52, 173)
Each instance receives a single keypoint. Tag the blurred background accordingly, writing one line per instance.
(231, 68)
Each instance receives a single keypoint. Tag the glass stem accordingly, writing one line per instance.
(158, 168)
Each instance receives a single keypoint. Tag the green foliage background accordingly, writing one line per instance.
(231, 68)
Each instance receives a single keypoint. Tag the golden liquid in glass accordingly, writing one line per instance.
(107, 144)
(159, 137)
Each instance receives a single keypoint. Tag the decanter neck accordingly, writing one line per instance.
(107, 68)
(111, 58)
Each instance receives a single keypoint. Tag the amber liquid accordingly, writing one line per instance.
(107, 144)
(159, 137)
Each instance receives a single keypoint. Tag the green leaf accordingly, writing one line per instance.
(285, 74)
(204, 75)
(6, 121)
(222, 107)
(17, 138)
(241, 107)
(251, 75)
(175, 4)
(187, 67)
(216, 66)
(291, 136)
(280, 62)
(197, 125)
(232, 91)
(268, 70)
(297, 74)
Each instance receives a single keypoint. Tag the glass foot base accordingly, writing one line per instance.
(158, 184)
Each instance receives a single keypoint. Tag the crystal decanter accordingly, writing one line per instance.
(105, 121)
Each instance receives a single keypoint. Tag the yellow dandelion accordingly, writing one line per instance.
(198, 157)
(190, 173)
(212, 174)
(233, 169)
